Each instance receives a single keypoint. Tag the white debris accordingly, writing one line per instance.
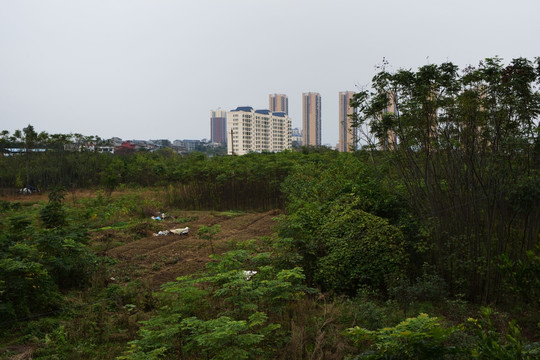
(249, 274)
(180, 231)
(173, 231)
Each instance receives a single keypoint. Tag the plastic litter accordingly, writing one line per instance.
(159, 217)
(173, 231)
(180, 231)
(249, 274)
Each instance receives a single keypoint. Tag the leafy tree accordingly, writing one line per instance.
(4, 141)
(342, 243)
(463, 145)
(26, 286)
(522, 277)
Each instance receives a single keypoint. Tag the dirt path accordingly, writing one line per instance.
(158, 259)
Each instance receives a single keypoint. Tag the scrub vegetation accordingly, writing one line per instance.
(422, 245)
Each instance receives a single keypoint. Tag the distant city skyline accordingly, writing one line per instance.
(143, 69)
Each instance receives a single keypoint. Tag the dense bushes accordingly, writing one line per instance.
(422, 337)
(233, 310)
(36, 263)
(343, 245)
(348, 230)
(362, 250)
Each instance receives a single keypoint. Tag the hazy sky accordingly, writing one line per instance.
(154, 69)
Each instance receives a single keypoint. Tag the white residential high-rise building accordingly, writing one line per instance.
(251, 130)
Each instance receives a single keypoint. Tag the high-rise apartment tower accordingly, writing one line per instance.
(311, 119)
(347, 134)
(218, 126)
(253, 130)
(278, 103)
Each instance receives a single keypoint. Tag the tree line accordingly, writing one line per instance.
(465, 145)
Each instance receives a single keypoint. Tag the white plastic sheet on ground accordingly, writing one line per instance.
(173, 231)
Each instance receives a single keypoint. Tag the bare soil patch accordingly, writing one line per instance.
(158, 259)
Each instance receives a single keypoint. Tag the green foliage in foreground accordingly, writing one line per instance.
(36, 263)
(336, 226)
(243, 306)
(362, 251)
(428, 338)
(230, 311)
(422, 337)
(493, 345)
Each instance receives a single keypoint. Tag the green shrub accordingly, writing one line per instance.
(493, 345)
(419, 338)
(225, 338)
(36, 263)
(222, 313)
(363, 250)
(65, 256)
(428, 287)
(53, 214)
(337, 229)
(26, 288)
(522, 277)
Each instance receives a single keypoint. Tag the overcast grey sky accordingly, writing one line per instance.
(155, 68)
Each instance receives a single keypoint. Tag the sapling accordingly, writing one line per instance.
(208, 233)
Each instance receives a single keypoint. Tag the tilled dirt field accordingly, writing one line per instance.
(158, 259)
